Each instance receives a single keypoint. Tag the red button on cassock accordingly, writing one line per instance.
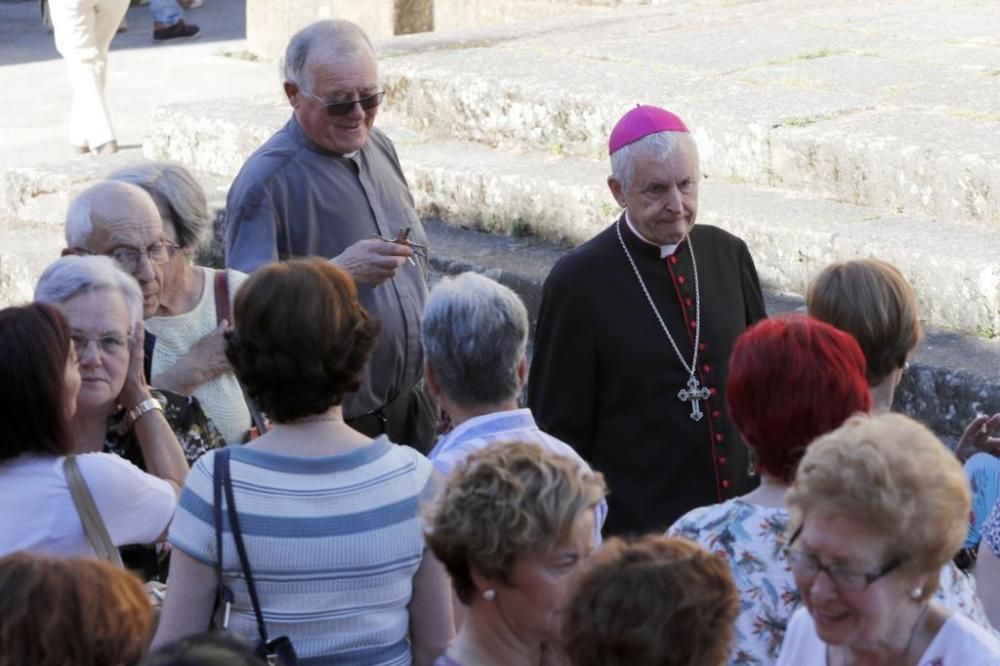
(716, 413)
(688, 302)
(680, 279)
(706, 368)
(694, 324)
(673, 259)
(702, 346)
(719, 437)
(712, 390)
(722, 460)
(725, 483)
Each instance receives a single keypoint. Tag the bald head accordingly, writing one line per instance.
(120, 220)
(331, 42)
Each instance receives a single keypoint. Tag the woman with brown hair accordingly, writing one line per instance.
(78, 611)
(330, 518)
(39, 383)
(656, 601)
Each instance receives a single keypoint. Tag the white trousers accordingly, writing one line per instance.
(84, 30)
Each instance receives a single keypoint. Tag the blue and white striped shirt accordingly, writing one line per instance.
(515, 425)
(333, 542)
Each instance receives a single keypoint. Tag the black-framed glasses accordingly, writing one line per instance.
(344, 108)
(128, 258)
(809, 566)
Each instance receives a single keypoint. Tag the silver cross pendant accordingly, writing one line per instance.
(694, 393)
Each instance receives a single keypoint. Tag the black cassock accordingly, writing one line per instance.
(605, 378)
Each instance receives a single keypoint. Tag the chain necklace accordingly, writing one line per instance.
(694, 392)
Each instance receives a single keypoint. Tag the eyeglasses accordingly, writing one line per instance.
(127, 258)
(110, 344)
(344, 108)
(809, 566)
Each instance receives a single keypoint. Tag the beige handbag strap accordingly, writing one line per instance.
(93, 525)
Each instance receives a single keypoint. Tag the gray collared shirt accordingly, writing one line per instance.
(292, 198)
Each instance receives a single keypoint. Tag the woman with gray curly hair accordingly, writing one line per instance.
(513, 526)
(189, 356)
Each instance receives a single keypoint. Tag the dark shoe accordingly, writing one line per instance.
(179, 30)
(109, 148)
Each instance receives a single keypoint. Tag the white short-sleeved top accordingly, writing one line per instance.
(37, 511)
(959, 642)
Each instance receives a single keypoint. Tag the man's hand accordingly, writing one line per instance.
(978, 437)
(205, 361)
(373, 261)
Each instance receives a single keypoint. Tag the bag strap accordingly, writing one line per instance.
(223, 310)
(234, 525)
(224, 596)
(93, 525)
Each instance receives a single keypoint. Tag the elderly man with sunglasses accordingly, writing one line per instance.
(329, 184)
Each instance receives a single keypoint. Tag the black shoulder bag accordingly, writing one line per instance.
(278, 651)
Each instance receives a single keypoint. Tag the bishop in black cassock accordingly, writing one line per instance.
(607, 378)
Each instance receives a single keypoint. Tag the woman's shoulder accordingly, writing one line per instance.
(745, 521)
(960, 640)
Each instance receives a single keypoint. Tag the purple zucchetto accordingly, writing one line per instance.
(640, 122)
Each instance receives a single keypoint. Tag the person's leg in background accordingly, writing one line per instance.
(83, 33)
(168, 21)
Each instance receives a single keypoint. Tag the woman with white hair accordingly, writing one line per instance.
(193, 314)
(116, 411)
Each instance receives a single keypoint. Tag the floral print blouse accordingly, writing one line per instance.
(195, 432)
(753, 539)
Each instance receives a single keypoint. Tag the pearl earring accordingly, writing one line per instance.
(916, 592)
(490, 594)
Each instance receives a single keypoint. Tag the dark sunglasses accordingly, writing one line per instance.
(344, 108)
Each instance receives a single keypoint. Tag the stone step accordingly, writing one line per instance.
(800, 96)
(951, 378)
(951, 264)
(25, 251)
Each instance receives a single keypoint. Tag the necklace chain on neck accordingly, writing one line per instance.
(697, 305)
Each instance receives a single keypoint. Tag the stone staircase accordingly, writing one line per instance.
(824, 133)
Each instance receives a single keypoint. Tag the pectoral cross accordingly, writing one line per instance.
(694, 393)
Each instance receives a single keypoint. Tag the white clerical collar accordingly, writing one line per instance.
(665, 250)
(350, 154)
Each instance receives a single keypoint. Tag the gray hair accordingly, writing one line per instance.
(78, 224)
(70, 276)
(474, 334)
(660, 145)
(342, 39)
(178, 196)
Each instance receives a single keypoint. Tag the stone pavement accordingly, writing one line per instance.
(827, 131)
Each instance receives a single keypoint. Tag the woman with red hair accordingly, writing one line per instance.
(791, 379)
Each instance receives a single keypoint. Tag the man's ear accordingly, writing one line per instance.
(522, 372)
(617, 191)
(292, 93)
(430, 380)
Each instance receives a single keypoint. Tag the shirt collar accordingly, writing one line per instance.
(665, 250)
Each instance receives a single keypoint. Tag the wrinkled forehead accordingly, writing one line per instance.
(130, 222)
(336, 71)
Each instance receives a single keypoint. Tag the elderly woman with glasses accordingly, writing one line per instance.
(189, 354)
(877, 510)
(791, 379)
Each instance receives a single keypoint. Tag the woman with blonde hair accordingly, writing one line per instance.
(513, 527)
(877, 510)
